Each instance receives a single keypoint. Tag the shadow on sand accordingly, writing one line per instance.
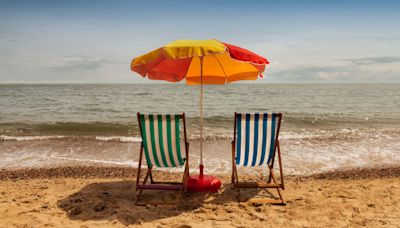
(116, 200)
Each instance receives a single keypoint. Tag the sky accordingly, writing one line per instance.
(306, 41)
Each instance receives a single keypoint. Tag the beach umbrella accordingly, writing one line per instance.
(200, 62)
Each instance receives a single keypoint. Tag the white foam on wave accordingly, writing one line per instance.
(29, 138)
(84, 160)
(326, 134)
(48, 137)
(118, 138)
(223, 133)
(303, 152)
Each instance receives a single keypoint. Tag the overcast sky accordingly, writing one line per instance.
(95, 41)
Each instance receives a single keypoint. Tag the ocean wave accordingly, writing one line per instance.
(29, 138)
(214, 134)
(122, 163)
(50, 137)
(68, 128)
(216, 128)
(118, 138)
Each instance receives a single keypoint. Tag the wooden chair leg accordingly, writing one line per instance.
(233, 175)
(279, 191)
(151, 178)
(185, 178)
(280, 165)
(236, 175)
(140, 166)
(270, 174)
(184, 182)
(233, 162)
(275, 201)
(281, 196)
(235, 181)
(144, 182)
(269, 178)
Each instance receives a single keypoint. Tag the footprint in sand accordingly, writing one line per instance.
(126, 219)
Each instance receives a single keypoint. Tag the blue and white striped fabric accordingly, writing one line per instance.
(255, 138)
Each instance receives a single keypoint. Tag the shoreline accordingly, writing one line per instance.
(301, 156)
(104, 171)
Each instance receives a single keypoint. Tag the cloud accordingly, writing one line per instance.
(385, 38)
(311, 74)
(65, 63)
(373, 60)
(334, 74)
(78, 63)
(89, 63)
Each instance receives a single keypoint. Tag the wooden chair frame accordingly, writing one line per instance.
(271, 182)
(160, 185)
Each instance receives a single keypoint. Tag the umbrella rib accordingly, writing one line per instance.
(219, 63)
(191, 59)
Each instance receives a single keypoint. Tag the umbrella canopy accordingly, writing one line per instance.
(222, 63)
(200, 62)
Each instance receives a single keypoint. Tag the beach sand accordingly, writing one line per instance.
(104, 197)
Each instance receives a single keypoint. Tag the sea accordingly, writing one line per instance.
(325, 126)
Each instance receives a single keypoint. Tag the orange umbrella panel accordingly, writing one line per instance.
(222, 63)
(220, 69)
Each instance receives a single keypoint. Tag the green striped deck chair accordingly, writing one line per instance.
(255, 143)
(161, 147)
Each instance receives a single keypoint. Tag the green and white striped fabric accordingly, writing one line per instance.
(160, 135)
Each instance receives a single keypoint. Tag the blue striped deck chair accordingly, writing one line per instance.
(161, 146)
(255, 143)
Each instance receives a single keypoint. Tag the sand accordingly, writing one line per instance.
(104, 197)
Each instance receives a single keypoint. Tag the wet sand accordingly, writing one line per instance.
(104, 196)
(300, 156)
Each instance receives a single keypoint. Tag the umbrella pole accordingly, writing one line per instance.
(202, 183)
(201, 117)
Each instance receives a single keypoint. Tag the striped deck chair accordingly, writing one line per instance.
(162, 148)
(255, 143)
